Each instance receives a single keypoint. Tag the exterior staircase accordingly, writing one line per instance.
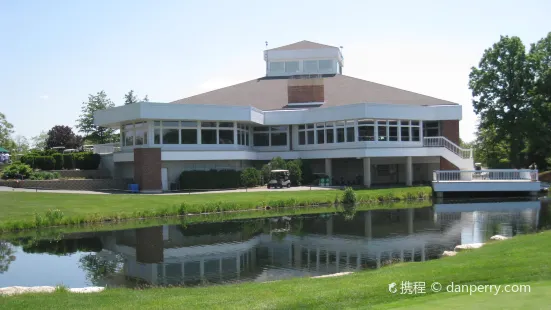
(461, 158)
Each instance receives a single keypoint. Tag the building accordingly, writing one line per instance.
(304, 107)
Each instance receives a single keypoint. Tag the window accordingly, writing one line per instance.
(134, 134)
(366, 130)
(350, 131)
(261, 139)
(431, 129)
(310, 66)
(291, 66)
(278, 135)
(383, 170)
(277, 66)
(157, 136)
(329, 133)
(170, 136)
(225, 136)
(392, 130)
(270, 136)
(208, 136)
(188, 136)
(320, 133)
(325, 65)
(306, 134)
(242, 134)
(381, 130)
(405, 131)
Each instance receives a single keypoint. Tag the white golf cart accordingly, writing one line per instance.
(279, 179)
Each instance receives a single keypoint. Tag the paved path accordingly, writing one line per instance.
(258, 189)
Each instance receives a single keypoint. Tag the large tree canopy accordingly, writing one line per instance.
(6, 130)
(500, 86)
(85, 124)
(63, 136)
(130, 98)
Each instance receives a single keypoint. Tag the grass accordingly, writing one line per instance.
(58, 232)
(23, 210)
(524, 259)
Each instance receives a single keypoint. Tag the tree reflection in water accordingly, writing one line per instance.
(99, 269)
(6, 256)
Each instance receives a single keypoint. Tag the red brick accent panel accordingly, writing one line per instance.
(149, 245)
(446, 165)
(450, 130)
(305, 93)
(147, 169)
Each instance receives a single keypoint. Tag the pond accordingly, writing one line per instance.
(261, 249)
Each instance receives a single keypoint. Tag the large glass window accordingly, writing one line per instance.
(306, 134)
(350, 131)
(170, 136)
(325, 65)
(261, 139)
(405, 131)
(291, 66)
(225, 136)
(320, 133)
(329, 133)
(310, 66)
(188, 136)
(208, 136)
(431, 129)
(392, 130)
(270, 136)
(242, 134)
(382, 130)
(157, 136)
(366, 130)
(277, 66)
(278, 135)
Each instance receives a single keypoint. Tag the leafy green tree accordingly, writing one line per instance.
(250, 177)
(22, 145)
(6, 256)
(39, 142)
(278, 163)
(130, 98)
(64, 136)
(500, 87)
(6, 130)
(85, 123)
(295, 171)
(145, 99)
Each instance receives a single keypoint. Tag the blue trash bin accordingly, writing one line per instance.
(134, 188)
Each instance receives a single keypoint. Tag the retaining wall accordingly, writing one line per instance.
(83, 185)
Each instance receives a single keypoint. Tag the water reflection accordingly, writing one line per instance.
(266, 249)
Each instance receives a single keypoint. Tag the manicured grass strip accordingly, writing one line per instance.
(21, 210)
(58, 232)
(520, 260)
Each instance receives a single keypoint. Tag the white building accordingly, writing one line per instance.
(303, 108)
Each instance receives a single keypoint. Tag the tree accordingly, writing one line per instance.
(130, 98)
(39, 142)
(250, 177)
(6, 130)
(295, 171)
(145, 99)
(6, 256)
(21, 145)
(85, 124)
(500, 87)
(63, 136)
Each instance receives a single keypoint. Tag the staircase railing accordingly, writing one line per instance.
(444, 142)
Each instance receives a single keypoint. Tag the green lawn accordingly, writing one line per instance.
(18, 209)
(524, 259)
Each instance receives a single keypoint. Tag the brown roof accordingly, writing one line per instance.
(302, 45)
(271, 94)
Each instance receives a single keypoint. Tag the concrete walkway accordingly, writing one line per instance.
(250, 190)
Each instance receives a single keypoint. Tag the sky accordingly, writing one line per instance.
(53, 54)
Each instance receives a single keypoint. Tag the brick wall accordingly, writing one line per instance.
(88, 174)
(302, 94)
(82, 185)
(147, 168)
(450, 130)
(446, 165)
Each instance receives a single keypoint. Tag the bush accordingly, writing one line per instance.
(68, 162)
(349, 196)
(58, 161)
(44, 175)
(16, 171)
(86, 160)
(295, 171)
(210, 179)
(44, 163)
(250, 177)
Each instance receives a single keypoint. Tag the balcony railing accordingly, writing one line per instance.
(444, 142)
(485, 175)
(107, 148)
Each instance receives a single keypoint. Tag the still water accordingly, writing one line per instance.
(261, 249)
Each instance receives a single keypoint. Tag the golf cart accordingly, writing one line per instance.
(279, 179)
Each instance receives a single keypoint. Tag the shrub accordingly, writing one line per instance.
(295, 171)
(349, 196)
(210, 179)
(44, 175)
(68, 162)
(86, 160)
(44, 162)
(58, 161)
(16, 171)
(250, 177)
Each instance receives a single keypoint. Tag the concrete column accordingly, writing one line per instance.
(409, 171)
(367, 171)
(329, 168)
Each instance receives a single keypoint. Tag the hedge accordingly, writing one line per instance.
(68, 161)
(39, 162)
(86, 160)
(58, 161)
(210, 179)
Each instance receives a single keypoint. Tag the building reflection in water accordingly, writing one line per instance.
(272, 249)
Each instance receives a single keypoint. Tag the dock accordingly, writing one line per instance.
(491, 182)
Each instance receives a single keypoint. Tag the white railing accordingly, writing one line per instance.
(107, 148)
(485, 175)
(444, 142)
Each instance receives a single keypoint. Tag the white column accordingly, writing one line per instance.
(367, 171)
(235, 132)
(150, 133)
(329, 168)
(409, 171)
